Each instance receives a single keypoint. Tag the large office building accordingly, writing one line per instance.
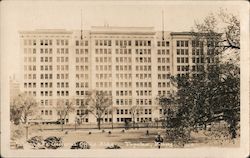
(133, 64)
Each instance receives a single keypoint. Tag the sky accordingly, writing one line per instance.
(31, 15)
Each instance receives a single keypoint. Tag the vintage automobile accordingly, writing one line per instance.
(53, 142)
(115, 146)
(80, 145)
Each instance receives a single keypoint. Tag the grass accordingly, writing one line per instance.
(132, 138)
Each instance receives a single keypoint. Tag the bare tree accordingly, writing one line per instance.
(99, 103)
(64, 107)
(22, 107)
(135, 112)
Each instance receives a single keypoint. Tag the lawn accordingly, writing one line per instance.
(132, 138)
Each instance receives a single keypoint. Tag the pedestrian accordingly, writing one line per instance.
(158, 140)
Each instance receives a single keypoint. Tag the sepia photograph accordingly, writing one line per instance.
(145, 78)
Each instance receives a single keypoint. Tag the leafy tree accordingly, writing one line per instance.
(211, 93)
(99, 103)
(64, 107)
(22, 107)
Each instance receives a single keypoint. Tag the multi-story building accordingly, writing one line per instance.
(133, 64)
(14, 87)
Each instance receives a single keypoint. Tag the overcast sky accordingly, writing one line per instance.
(30, 15)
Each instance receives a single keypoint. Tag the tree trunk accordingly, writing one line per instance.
(99, 123)
(61, 122)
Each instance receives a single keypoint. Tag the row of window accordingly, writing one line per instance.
(123, 68)
(62, 85)
(143, 68)
(103, 84)
(81, 101)
(142, 43)
(103, 51)
(123, 84)
(182, 59)
(82, 76)
(82, 84)
(46, 112)
(143, 51)
(29, 59)
(30, 67)
(103, 42)
(46, 93)
(182, 51)
(82, 51)
(30, 93)
(146, 119)
(163, 60)
(198, 60)
(62, 67)
(46, 76)
(143, 93)
(163, 68)
(163, 76)
(123, 42)
(163, 84)
(62, 76)
(29, 76)
(143, 76)
(47, 67)
(45, 51)
(29, 51)
(182, 43)
(30, 85)
(81, 112)
(143, 84)
(182, 68)
(197, 51)
(163, 43)
(47, 59)
(123, 101)
(103, 59)
(82, 43)
(62, 42)
(81, 59)
(123, 51)
(62, 59)
(143, 59)
(62, 51)
(123, 76)
(29, 42)
(163, 92)
(46, 84)
(103, 76)
(163, 51)
(81, 93)
(144, 101)
(123, 93)
(82, 68)
(103, 67)
(46, 102)
(124, 59)
(62, 93)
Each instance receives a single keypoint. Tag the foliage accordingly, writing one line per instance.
(22, 107)
(99, 103)
(211, 94)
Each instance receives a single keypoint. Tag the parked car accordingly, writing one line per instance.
(36, 142)
(80, 145)
(115, 146)
(53, 142)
